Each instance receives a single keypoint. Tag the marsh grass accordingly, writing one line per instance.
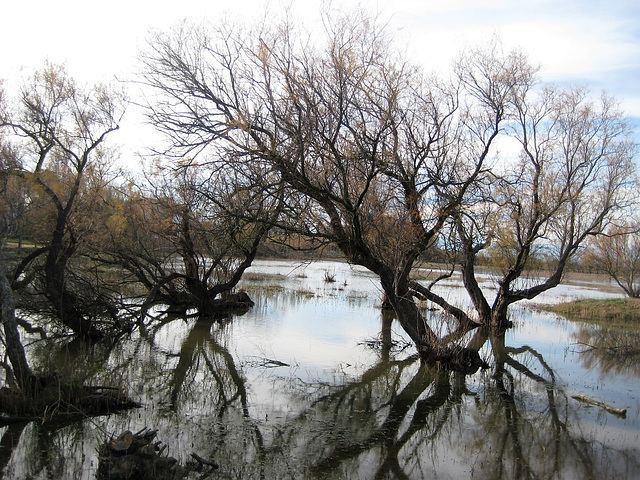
(262, 277)
(329, 277)
(609, 313)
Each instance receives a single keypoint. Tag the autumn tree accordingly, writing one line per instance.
(20, 370)
(12, 199)
(60, 131)
(187, 233)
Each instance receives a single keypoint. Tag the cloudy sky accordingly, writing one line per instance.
(587, 42)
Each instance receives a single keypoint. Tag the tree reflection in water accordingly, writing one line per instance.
(396, 419)
(611, 350)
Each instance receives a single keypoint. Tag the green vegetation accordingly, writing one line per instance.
(611, 313)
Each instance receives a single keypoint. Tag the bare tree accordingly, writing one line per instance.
(188, 234)
(60, 131)
(379, 155)
(21, 371)
(617, 253)
(574, 179)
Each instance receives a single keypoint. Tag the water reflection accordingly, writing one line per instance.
(33, 451)
(610, 350)
(8, 443)
(328, 407)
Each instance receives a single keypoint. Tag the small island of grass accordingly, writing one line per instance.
(612, 312)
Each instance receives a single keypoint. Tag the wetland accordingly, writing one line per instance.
(317, 381)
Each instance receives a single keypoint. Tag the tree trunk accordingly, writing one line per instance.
(409, 317)
(500, 309)
(68, 308)
(15, 351)
(66, 304)
(385, 334)
(473, 289)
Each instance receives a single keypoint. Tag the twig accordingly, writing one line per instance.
(269, 363)
(616, 411)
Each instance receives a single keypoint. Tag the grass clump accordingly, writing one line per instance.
(610, 313)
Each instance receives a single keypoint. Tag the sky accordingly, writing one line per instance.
(581, 42)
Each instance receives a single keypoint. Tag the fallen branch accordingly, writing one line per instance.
(268, 363)
(13, 420)
(376, 344)
(203, 461)
(616, 411)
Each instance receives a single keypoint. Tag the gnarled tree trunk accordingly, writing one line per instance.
(15, 351)
(67, 304)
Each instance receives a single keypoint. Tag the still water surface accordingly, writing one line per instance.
(294, 389)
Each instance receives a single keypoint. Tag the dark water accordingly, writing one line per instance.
(293, 389)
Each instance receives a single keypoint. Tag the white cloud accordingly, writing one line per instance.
(578, 41)
(582, 42)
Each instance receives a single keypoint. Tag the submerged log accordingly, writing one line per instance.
(615, 411)
(454, 358)
(121, 444)
(229, 303)
(232, 302)
(136, 456)
(53, 398)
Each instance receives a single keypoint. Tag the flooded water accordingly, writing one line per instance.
(295, 389)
